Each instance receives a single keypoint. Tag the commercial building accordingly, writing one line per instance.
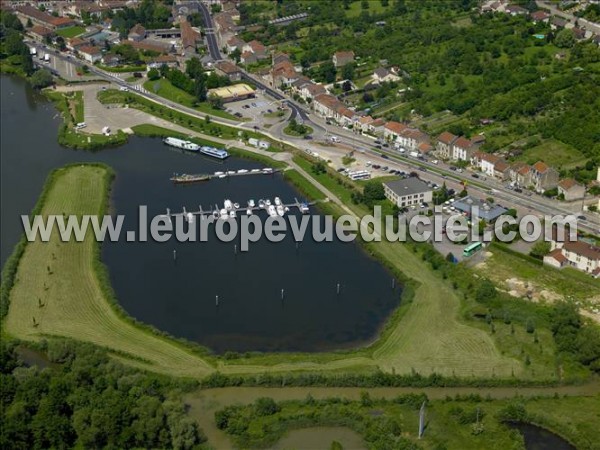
(484, 210)
(407, 192)
(232, 93)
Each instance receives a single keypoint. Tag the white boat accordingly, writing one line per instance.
(249, 212)
(215, 214)
(214, 152)
(236, 205)
(251, 203)
(232, 214)
(180, 143)
(268, 202)
(228, 204)
(272, 211)
(255, 170)
(267, 170)
(286, 209)
(280, 210)
(223, 176)
(224, 214)
(242, 171)
(190, 218)
(219, 173)
(304, 208)
(261, 203)
(277, 201)
(231, 172)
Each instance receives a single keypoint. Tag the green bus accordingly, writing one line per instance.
(472, 248)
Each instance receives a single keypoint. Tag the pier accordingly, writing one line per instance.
(230, 212)
(196, 178)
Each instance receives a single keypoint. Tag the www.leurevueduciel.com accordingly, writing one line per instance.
(321, 228)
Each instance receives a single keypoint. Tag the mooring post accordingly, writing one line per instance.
(282, 294)
(338, 289)
(216, 300)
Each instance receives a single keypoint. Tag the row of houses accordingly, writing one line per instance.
(575, 253)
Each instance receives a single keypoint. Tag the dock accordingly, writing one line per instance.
(196, 178)
(303, 207)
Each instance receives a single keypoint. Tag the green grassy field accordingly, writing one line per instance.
(70, 32)
(64, 277)
(555, 154)
(375, 7)
(164, 88)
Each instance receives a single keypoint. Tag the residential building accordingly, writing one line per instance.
(485, 162)
(377, 127)
(571, 189)
(110, 60)
(462, 149)
(235, 43)
(578, 254)
(383, 75)
(523, 177)
(516, 10)
(540, 16)
(411, 138)
(283, 73)
(444, 144)
(189, 38)
(75, 43)
(90, 53)
(137, 33)
(408, 192)
(502, 170)
(229, 70)
(163, 60)
(40, 33)
(557, 22)
(392, 130)
(543, 177)
(257, 48)
(310, 90)
(248, 58)
(340, 59)
(363, 123)
(330, 107)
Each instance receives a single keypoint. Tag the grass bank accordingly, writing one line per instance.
(164, 88)
(62, 289)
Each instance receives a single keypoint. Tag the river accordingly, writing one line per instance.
(179, 296)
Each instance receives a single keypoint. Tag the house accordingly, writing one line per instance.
(248, 58)
(411, 138)
(43, 19)
(407, 192)
(310, 90)
(235, 43)
(392, 130)
(540, 16)
(162, 60)
(516, 10)
(485, 162)
(137, 33)
(225, 28)
(110, 60)
(340, 59)
(557, 22)
(523, 177)
(462, 149)
(377, 127)
(256, 48)
(577, 254)
(90, 53)
(283, 73)
(424, 148)
(329, 107)
(74, 43)
(362, 123)
(502, 170)
(189, 38)
(40, 33)
(444, 144)
(383, 75)
(581, 34)
(229, 70)
(543, 177)
(570, 189)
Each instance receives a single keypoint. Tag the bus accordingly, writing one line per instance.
(472, 248)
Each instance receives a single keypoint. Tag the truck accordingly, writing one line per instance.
(414, 154)
(46, 57)
(33, 51)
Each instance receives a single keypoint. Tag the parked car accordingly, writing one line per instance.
(474, 175)
(384, 156)
(453, 168)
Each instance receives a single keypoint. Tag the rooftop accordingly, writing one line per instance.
(486, 211)
(407, 186)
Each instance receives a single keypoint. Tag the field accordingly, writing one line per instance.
(375, 7)
(65, 276)
(165, 89)
(555, 154)
(70, 32)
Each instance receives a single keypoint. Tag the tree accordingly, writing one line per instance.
(348, 72)
(540, 249)
(565, 39)
(153, 74)
(364, 4)
(346, 86)
(486, 291)
(265, 406)
(41, 79)
(328, 71)
(215, 101)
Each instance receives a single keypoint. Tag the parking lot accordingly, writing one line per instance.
(254, 108)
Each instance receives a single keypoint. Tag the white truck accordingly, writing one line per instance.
(47, 58)
(33, 51)
(414, 154)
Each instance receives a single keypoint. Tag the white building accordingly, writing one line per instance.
(407, 192)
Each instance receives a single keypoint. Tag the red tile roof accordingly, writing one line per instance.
(462, 142)
(583, 249)
(395, 127)
(558, 256)
(568, 183)
(541, 167)
(446, 137)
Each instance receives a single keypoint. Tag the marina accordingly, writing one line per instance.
(230, 209)
(185, 178)
(193, 147)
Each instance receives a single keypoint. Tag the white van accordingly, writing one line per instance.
(335, 139)
(80, 125)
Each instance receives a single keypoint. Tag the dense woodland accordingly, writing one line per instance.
(85, 399)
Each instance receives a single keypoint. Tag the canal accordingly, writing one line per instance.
(179, 296)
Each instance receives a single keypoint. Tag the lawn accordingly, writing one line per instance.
(165, 89)
(555, 154)
(375, 7)
(64, 277)
(70, 32)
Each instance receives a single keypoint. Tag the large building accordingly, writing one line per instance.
(484, 210)
(577, 254)
(408, 192)
(232, 93)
